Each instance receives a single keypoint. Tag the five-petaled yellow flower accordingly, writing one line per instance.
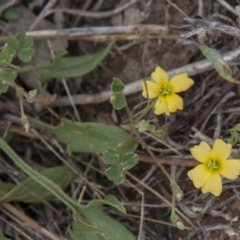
(165, 91)
(214, 164)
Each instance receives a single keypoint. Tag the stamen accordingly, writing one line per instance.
(213, 164)
(165, 90)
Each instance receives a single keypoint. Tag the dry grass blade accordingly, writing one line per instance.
(31, 223)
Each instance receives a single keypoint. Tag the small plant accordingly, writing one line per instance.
(20, 45)
(116, 146)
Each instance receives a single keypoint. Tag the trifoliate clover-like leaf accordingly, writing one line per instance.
(142, 126)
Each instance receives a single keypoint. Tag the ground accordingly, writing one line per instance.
(210, 111)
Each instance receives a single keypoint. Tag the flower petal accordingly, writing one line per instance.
(160, 76)
(199, 175)
(181, 82)
(174, 102)
(230, 168)
(202, 152)
(213, 184)
(221, 150)
(152, 89)
(161, 106)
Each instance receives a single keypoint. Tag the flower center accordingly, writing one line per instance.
(213, 165)
(165, 90)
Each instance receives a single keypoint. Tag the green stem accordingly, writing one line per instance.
(129, 115)
(41, 124)
(29, 68)
(133, 131)
(144, 112)
(173, 184)
(129, 139)
(12, 66)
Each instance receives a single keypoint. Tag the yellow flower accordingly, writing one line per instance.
(165, 90)
(214, 164)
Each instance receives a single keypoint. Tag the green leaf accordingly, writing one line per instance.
(60, 53)
(25, 54)
(176, 221)
(29, 189)
(151, 128)
(234, 137)
(109, 200)
(99, 225)
(110, 156)
(142, 126)
(159, 133)
(11, 14)
(218, 62)
(117, 85)
(118, 101)
(66, 67)
(237, 127)
(12, 45)
(115, 174)
(21, 37)
(22, 45)
(3, 87)
(82, 230)
(129, 160)
(92, 137)
(27, 43)
(8, 74)
(5, 57)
